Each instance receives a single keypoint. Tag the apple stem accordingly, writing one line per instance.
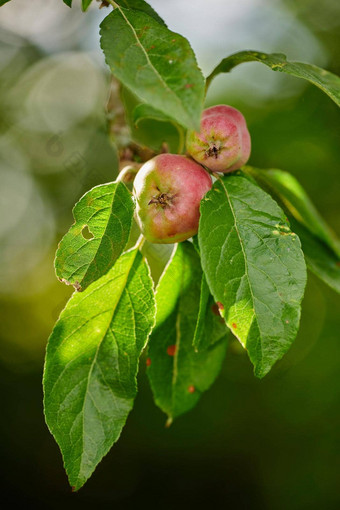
(112, 3)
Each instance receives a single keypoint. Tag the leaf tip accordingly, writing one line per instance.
(260, 371)
(168, 422)
(78, 485)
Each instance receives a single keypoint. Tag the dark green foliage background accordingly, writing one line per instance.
(267, 444)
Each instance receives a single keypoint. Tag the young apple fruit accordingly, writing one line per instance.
(223, 142)
(168, 190)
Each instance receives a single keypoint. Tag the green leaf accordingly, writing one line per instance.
(92, 362)
(319, 244)
(85, 4)
(254, 267)
(210, 326)
(140, 5)
(203, 305)
(156, 64)
(321, 260)
(149, 127)
(177, 373)
(3, 2)
(103, 219)
(145, 111)
(297, 202)
(326, 81)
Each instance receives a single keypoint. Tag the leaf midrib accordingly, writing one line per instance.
(103, 234)
(178, 340)
(78, 219)
(172, 92)
(246, 268)
(127, 274)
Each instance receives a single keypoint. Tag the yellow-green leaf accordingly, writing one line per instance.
(92, 362)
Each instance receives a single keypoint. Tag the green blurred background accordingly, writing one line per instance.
(270, 444)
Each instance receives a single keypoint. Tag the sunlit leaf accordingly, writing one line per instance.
(326, 81)
(156, 64)
(103, 219)
(254, 267)
(177, 373)
(92, 362)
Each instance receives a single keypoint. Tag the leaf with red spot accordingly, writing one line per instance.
(179, 374)
(254, 267)
(171, 350)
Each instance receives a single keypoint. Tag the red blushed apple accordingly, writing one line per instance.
(168, 191)
(223, 142)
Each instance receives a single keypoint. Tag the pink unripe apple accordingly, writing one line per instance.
(223, 142)
(168, 190)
